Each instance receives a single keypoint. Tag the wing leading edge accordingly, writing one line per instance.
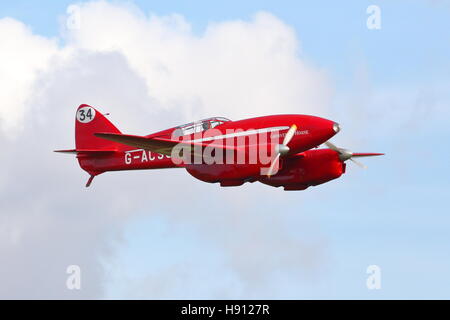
(158, 145)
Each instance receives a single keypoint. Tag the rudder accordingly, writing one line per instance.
(88, 121)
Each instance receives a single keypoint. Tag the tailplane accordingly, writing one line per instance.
(88, 147)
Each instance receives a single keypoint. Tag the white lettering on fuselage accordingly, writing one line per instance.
(297, 133)
(141, 156)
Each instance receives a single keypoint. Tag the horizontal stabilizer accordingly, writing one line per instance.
(86, 151)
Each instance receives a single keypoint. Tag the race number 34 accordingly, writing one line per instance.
(85, 114)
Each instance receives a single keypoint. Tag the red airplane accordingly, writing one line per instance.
(276, 150)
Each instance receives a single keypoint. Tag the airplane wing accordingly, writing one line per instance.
(158, 145)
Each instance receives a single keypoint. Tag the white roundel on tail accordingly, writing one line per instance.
(85, 114)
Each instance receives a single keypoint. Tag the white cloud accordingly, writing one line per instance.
(150, 73)
(23, 55)
(236, 68)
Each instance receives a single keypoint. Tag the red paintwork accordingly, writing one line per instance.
(309, 168)
(300, 168)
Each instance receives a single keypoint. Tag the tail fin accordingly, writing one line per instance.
(88, 147)
(89, 121)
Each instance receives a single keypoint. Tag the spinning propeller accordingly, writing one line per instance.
(345, 154)
(281, 150)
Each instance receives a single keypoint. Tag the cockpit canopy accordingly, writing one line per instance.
(199, 126)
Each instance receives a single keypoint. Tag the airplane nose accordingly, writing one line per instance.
(329, 128)
(326, 129)
(336, 127)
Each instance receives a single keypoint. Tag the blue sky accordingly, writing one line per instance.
(410, 46)
(394, 214)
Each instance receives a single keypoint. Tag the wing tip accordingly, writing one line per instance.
(66, 151)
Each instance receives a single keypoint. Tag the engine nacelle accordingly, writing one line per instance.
(298, 173)
(312, 168)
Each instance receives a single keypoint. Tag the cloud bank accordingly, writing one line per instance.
(149, 72)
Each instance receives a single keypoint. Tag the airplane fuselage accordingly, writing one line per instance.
(277, 150)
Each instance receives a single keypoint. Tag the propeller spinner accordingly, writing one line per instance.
(345, 154)
(282, 149)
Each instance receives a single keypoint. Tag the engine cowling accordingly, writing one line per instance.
(312, 168)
